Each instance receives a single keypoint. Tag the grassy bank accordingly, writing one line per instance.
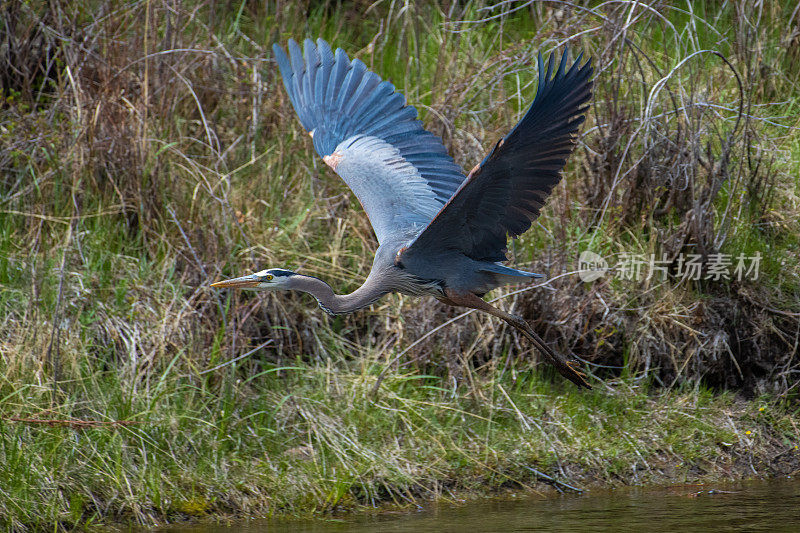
(311, 439)
(148, 149)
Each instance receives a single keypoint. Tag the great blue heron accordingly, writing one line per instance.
(440, 233)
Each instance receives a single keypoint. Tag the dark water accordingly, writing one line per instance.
(752, 506)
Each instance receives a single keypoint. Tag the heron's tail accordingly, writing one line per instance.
(505, 275)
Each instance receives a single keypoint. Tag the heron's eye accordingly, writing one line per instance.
(269, 277)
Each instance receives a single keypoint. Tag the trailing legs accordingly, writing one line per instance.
(565, 367)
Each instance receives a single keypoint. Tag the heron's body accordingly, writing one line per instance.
(388, 274)
(440, 233)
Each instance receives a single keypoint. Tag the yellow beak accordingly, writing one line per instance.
(245, 282)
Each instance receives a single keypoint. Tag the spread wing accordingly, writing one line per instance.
(503, 195)
(363, 129)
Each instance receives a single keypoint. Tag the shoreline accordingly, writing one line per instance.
(691, 480)
(315, 443)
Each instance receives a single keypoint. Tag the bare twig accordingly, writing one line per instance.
(237, 358)
(73, 423)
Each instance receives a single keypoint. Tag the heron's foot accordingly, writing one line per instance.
(571, 370)
(574, 367)
(568, 368)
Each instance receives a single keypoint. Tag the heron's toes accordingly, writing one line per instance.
(575, 367)
(571, 372)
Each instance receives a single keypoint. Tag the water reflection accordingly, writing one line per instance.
(752, 506)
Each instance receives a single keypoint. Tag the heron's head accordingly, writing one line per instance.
(271, 279)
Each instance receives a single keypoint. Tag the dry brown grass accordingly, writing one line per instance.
(148, 148)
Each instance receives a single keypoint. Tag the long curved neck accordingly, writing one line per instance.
(337, 304)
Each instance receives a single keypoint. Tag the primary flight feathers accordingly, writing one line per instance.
(502, 196)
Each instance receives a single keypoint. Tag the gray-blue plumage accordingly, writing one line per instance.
(397, 199)
(336, 98)
(440, 233)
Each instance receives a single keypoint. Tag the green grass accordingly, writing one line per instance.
(305, 439)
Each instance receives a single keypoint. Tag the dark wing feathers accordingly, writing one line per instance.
(337, 99)
(503, 195)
